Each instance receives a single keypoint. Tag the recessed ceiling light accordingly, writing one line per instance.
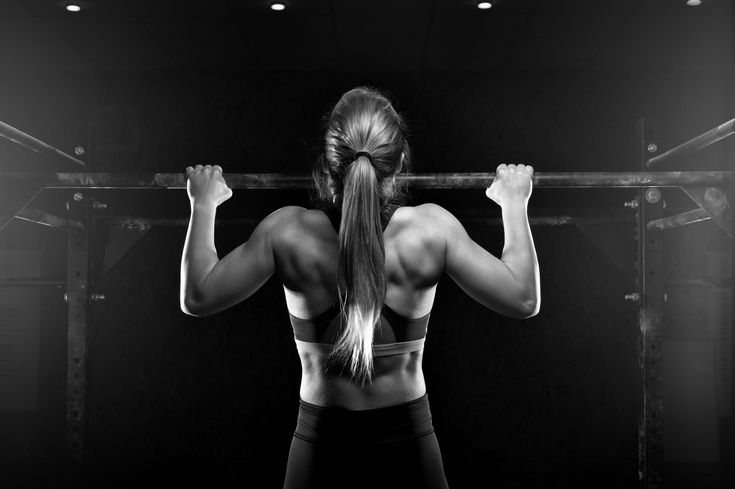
(278, 6)
(484, 5)
(694, 3)
(73, 7)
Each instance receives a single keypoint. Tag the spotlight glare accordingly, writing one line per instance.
(278, 6)
(694, 3)
(73, 7)
(484, 5)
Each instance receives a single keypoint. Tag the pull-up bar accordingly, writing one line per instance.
(417, 180)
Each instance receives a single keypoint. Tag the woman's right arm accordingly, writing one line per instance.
(509, 285)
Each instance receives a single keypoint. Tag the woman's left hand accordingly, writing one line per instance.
(206, 184)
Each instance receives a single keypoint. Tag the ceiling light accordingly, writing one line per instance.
(73, 7)
(278, 6)
(694, 3)
(484, 5)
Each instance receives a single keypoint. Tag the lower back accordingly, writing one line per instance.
(397, 379)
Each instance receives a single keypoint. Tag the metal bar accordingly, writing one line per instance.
(28, 141)
(418, 180)
(50, 220)
(143, 223)
(650, 318)
(77, 278)
(678, 220)
(699, 282)
(11, 282)
(712, 136)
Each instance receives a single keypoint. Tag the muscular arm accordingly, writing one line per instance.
(210, 285)
(509, 285)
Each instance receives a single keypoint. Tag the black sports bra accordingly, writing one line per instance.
(394, 333)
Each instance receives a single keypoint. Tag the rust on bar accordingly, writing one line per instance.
(712, 136)
(39, 217)
(27, 141)
(417, 180)
(678, 220)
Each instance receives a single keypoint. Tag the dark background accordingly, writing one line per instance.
(157, 86)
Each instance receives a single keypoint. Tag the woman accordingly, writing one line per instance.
(359, 278)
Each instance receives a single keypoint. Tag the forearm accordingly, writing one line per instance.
(199, 255)
(519, 252)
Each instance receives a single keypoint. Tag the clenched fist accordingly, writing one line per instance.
(206, 184)
(513, 183)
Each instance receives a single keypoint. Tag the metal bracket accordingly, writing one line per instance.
(14, 198)
(714, 201)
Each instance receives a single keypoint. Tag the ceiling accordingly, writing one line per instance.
(370, 35)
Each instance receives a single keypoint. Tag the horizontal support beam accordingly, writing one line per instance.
(50, 220)
(712, 136)
(27, 141)
(143, 223)
(12, 282)
(699, 282)
(678, 220)
(416, 180)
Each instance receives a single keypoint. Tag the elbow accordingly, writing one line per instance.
(528, 308)
(531, 307)
(190, 307)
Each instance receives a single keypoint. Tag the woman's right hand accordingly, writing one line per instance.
(512, 183)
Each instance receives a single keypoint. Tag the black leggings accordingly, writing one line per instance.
(386, 447)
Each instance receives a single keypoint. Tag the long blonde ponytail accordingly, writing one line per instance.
(361, 268)
(363, 120)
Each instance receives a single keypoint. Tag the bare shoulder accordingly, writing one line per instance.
(295, 224)
(415, 242)
(283, 217)
(435, 217)
(426, 223)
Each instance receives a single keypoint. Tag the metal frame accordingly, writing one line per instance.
(703, 185)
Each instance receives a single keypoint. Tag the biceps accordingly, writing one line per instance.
(483, 276)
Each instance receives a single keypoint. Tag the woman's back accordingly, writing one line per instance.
(305, 252)
(359, 293)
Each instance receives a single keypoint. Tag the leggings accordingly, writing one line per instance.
(387, 447)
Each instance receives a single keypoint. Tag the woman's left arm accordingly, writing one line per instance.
(208, 284)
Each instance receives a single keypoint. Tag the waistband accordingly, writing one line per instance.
(389, 424)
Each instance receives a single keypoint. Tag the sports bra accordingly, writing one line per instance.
(394, 333)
